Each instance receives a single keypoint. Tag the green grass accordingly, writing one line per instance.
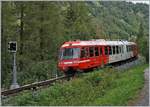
(102, 87)
(124, 88)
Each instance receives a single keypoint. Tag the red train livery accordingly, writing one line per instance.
(84, 55)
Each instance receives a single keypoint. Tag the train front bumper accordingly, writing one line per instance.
(66, 65)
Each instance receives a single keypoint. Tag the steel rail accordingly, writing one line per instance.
(32, 85)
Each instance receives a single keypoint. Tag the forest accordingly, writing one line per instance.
(41, 27)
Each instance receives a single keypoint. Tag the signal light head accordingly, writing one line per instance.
(12, 46)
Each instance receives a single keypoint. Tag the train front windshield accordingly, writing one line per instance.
(69, 53)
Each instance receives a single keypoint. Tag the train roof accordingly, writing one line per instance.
(96, 42)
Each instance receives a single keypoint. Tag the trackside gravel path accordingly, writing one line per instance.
(143, 98)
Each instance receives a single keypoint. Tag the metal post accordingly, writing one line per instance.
(56, 73)
(14, 82)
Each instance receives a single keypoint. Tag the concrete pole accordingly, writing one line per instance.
(14, 82)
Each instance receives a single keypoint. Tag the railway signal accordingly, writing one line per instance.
(12, 47)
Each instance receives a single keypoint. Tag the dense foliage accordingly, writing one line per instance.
(41, 27)
(107, 87)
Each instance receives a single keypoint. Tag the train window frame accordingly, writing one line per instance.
(114, 50)
(100, 50)
(86, 52)
(127, 48)
(117, 49)
(68, 53)
(110, 50)
(106, 50)
(96, 50)
(120, 50)
(90, 52)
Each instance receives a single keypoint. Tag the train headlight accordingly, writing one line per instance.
(68, 62)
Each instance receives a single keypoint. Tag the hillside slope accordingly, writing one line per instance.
(40, 28)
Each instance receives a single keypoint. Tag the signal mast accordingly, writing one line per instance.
(12, 47)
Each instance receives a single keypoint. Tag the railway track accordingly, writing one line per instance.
(50, 81)
(32, 86)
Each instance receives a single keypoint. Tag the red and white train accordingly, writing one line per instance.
(84, 55)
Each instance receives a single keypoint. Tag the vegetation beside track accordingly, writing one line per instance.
(102, 87)
(40, 28)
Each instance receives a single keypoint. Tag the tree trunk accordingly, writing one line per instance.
(21, 35)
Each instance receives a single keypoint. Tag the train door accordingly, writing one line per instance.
(84, 58)
(124, 51)
(113, 53)
(117, 54)
(127, 48)
(92, 56)
(105, 54)
(100, 55)
(120, 54)
(96, 56)
(110, 54)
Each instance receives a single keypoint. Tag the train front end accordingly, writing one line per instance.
(69, 58)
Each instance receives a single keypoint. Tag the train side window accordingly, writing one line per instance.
(110, 50)
(96, 51)
(87, 52)
(106, 50)
(114, 50)
(100, 50)
(127, 48)
(91, 49)
(117, 50)
(83, 52)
